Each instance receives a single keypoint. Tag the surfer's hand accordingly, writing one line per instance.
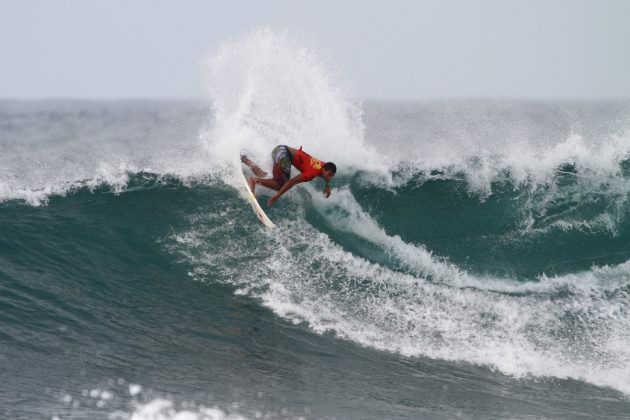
(271, 201)
(326, 191)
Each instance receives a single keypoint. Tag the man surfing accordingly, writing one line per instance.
(283, 157)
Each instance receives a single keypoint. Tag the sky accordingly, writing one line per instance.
(547, 49)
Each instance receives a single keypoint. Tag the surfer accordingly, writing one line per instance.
(283, 157)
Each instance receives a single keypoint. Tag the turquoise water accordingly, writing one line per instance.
(472, 262)
(422, 298)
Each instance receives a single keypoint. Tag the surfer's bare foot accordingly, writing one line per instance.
(252, 183)
(255, 168)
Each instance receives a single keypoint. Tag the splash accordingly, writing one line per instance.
(572, 326)
(267, 89)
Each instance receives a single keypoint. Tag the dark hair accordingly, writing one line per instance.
(329, 166)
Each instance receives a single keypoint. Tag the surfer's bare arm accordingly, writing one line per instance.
(327, 191)
(286, 187)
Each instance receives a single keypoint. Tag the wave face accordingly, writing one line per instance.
(473, 260)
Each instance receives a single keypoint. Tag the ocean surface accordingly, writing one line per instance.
(472, 262)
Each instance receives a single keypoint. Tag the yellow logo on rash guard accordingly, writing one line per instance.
(316, 164)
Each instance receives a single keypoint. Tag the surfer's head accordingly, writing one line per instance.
(328, 171)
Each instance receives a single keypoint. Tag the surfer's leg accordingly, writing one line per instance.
(252, 184)
(269, 183)
(255, 168)
(281, 169)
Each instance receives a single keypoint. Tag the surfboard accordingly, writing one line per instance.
(249, 196)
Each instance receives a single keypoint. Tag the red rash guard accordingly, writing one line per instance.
(308, 165)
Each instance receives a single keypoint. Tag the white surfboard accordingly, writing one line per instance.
(249, 196)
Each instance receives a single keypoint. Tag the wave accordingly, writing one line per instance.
(333, 266)
(394, 295)
(52, 148)
(572, 326)
(573, 160)
(452, 248)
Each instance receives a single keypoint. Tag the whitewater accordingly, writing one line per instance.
(473, 260)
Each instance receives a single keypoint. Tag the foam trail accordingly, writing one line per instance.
(519, 335)
(572, 326)
(343, 213)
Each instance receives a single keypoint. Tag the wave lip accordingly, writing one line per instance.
(576, 161)
(57, 147)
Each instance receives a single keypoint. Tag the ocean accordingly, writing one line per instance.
(472, 262)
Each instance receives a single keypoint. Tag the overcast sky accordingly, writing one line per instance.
(388, 49)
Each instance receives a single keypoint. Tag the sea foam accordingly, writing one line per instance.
(267, 91)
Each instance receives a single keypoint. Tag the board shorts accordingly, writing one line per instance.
(281, 164)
